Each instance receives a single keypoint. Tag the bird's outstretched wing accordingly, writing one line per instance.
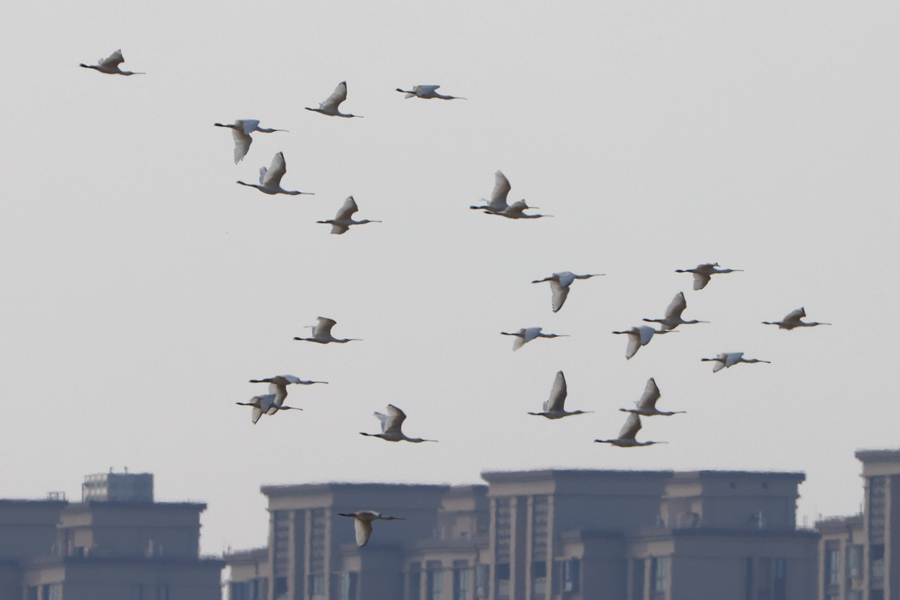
(242, 143)
(631, 427)
(558, 393)
(276, 171)
(559, 295)
(394, 421)
(346, 211)
(634, 344)
(676, 306)
(424, 90)
(651, 395)
(335, 99)
(795, 315)
(323, 326)
(113, 60)
(363, 532)
(700, 280)
(501, 189)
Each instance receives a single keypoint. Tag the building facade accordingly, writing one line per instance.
(539, 535)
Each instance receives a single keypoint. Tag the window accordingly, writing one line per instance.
(162, 592)
(348, 583)
(638, 567)
(482, 580)
(854, 561)
(435, 582)
(414, 582)
(239, 591)
(502, 575)
(460, 580)
(748, 578)
(571, 576)
(876, 555)
(280, 588)
(779, 579)
(832, 566)
(52, 591)
(539, 580)
(660, 572)
(854, 595)
(317, 587)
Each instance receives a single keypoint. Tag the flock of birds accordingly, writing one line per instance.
(553, 408)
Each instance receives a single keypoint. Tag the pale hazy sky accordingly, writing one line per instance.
(142, 289)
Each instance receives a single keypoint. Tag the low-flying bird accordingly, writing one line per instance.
(559, 285)
(266, 404)
(322, 333)
(241, 130)
(391, 424)
(344, 217)
(555, 406)
(673, 314)
(646, 406)
(427, 92)
(703, 272)
(278, 387)
(729, 359)
(626, 435)
(363, 523)
(793, 320)
(110, 65)
(498, 196)
(270, 179)
(639, 336)
(516, 210)
(523, 336)
(331, 104)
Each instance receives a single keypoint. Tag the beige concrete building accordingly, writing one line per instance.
(539, 535)
(105, 550)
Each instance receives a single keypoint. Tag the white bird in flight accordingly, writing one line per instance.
(266, 404)
(270, 179)
(523, 336)
(646, 406)
(344, 217)
(278, 387)
(498, 196)
(673, 314)
(703, 272)
(516, 210)
(110, 65)
(427, 92)
(555, 406)
(241, 130)
(627, 434)
(559, 285)
(363, 524)
(391, 424)
(331, 104)
(639, 336)
(793, 320)
(729, 359)
(322, 333)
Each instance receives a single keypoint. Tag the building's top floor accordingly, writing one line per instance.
(588, 482)
(350, 497)
(28, 527)
(879, 462)
(119, 487)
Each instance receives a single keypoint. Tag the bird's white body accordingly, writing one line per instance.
(792, 320)
(726, 360)
(322, 333)
(627, 434)
(363, 524)
(559, 286)
(344, 217)
(673, 314)
(516, 210)
(391, 427)
(703, 272)
(110, 65)
(523, 336)
(278, 388)
(427, 92)
(555, 406)
(646, 406)
(270, 179)
(241, 130)
(498, 196)
(639, 336)
(331, 104)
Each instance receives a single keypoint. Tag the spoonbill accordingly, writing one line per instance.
(322, 333)
(555, 406)
(498, 196)
(427, 92)
(516, 210)
(729, 359)
(646, 406)
(278, 387)
(265, 404)
(793, 320)
(626, 435)
(344, 217)
(241, 130)
(270, 179)
(390, 427)
(523, 336)
(673, 314)
(703, 272)
(639, 336)
(331, 104)
(363, 524)
(110, 65)
(559, 285)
